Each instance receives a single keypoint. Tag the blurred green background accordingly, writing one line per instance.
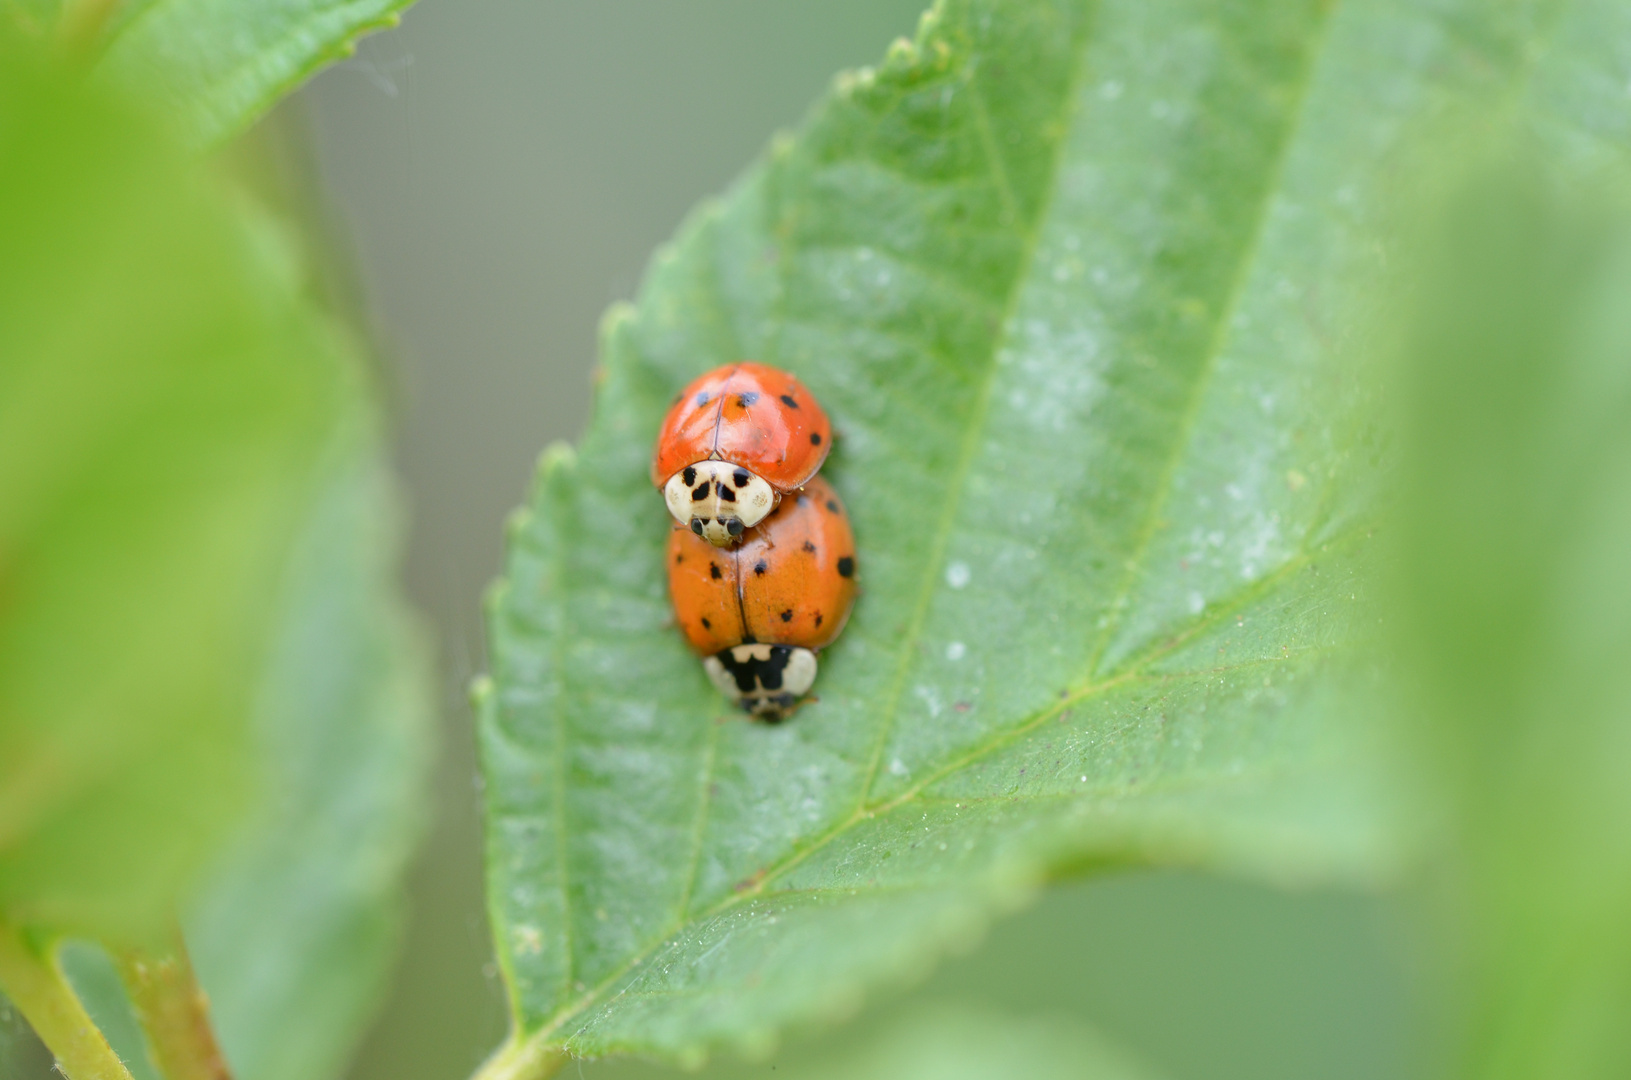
(496, 172)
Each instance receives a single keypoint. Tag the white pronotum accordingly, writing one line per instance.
(717, 500)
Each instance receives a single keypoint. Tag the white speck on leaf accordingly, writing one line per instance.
(526, 940)
(956, 650)
(957, 575)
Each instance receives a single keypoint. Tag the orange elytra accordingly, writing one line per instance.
(733, 443)
(758, 613)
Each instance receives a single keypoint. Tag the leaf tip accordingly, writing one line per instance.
(928, 24)
(557, 459)
(481, 688)
(617, 320)
(845, 84)
(492, 600)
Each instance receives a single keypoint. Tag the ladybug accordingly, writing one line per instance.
(758, 613)
(733, 443)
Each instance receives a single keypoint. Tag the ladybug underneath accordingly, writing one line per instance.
(760, 612)
(733, 443)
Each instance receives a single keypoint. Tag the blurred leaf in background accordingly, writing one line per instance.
(164, 403)
(294, 927)
(21, 1055)
(1516, 597)
(218, 65)
(201, 638)
(208, 67)
(953, 1041)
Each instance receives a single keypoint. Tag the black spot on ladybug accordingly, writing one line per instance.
(734, 526)
(700, 491)
(678, 559)
(702, 399)
(751, 673)
(809, 547)
(741, 477)
(832, 507)
(815, 438)
(725, 493)
(689, 476)
(818, 618)
(846, 566)
(713, 571)
(696, 526)
(706, 625)
(787, 616)
(760, 567)
(744, 400)
(787, 399)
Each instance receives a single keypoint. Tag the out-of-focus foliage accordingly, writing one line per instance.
(164, 402)
(1090, 292)
(949, 1041)
(19, 1055)
(200, 636)
(209, 67)
(96, 981)
(293, 928)
(296, 925)
(1516, 600)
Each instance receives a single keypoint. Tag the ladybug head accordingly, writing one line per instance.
(718, 501)
(765, 680)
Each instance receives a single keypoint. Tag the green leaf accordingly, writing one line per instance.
(96, 981)
(164, 400)
(952, 1041)
(20, 1053)
(1088, 292)
(1517, 596)
(211, 67)
(218, 65)
(296, 926)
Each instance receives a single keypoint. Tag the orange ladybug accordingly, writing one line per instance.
(733, 443)
(759, 613)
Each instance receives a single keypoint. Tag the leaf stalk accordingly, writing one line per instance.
(33, 979)
(174, 1012)
(522, 1058)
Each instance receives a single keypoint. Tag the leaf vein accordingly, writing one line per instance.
(1184, 430)
(976, 425)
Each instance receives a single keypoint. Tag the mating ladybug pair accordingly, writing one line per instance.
(761, 565)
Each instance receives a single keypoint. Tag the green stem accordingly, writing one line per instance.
(174, 1012)
(34, 981)
(521, 1059)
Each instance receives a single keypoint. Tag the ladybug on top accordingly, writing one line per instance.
(732, 444)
